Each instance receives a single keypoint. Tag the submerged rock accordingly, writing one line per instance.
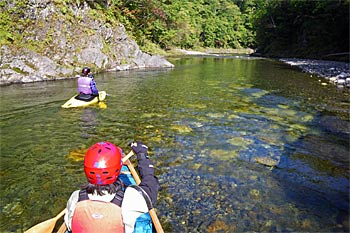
(267, 161)
(77, 154)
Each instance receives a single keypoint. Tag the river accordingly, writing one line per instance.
(213, 125)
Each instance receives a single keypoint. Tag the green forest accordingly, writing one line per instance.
(276, 28)
(301, 28)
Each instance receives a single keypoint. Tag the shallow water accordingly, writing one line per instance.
(208, 123)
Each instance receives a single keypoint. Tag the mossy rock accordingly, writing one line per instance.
(267, 161)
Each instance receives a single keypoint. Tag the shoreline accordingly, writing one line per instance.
(337, 73)
(333, 72)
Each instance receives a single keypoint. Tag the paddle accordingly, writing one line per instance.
(152, 212)
(48, 225)
(101, 96)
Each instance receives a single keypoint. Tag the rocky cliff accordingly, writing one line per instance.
(58, 38)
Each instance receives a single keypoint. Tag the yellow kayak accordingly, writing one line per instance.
(74, 102)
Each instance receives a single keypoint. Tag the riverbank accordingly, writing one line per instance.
(333, 72)
(337, 73)
(81, 38)
(14, 69)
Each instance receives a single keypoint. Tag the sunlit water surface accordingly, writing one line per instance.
(238, 144)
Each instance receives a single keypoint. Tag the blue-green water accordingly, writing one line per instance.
(209, 123)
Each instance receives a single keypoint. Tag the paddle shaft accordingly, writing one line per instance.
(127, 157)
(152, 212)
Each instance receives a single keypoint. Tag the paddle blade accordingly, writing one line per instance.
(102, 95)
(43, 227)
(46, 226)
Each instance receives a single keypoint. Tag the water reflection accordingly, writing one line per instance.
(88, 123)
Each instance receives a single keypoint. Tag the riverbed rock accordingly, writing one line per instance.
(267, 161)
(60, 39)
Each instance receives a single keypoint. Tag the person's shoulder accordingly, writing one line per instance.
(74, 197)
(133, 199)
(132, 193)
(75, 193)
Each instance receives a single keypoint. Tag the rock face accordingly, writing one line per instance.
(62, 39)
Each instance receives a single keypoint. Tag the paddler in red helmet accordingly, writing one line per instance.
(104, 205)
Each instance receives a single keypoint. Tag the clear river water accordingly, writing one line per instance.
(239, 144)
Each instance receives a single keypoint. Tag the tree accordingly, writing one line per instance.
(302, 28)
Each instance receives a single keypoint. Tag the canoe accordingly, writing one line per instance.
(147, 222)
(74, 103)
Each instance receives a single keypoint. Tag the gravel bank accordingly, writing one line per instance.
(337, 73)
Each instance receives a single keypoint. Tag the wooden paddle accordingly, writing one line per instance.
(48, 225)
(152, 212)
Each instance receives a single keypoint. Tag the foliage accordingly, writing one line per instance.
(303, 28)
(185, 23)
(276, 27)
(10, 30)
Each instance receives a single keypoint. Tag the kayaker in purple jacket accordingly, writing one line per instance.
(86, 85)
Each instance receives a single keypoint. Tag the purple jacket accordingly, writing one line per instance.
(87, 85)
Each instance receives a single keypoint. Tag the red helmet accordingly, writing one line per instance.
(85, 71)
(102, 163)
